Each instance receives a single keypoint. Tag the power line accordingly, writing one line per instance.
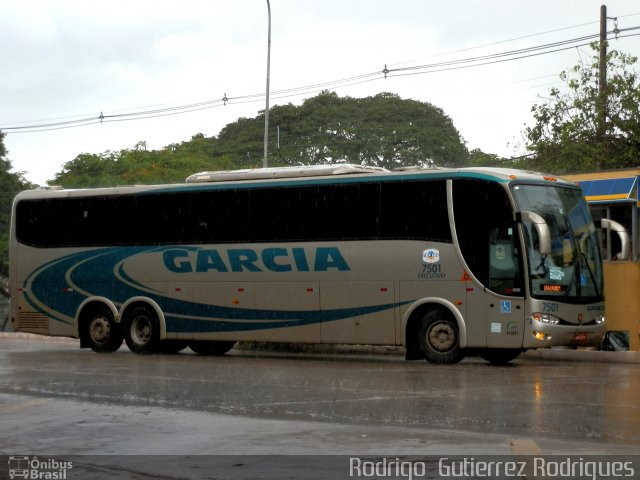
(510, 55)
(464, 63)
(193, 107)
(502, 41)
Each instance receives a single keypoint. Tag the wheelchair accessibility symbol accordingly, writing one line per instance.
(505, 306)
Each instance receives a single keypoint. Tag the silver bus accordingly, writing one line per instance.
(445, 262)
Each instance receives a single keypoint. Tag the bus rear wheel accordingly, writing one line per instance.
(215, 348)
(101, 332)
(440, 338)
(142, 330)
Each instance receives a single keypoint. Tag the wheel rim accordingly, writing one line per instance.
(100, 329)
(441, 337)
(141, 330)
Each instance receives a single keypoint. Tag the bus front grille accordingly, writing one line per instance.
(33, 322)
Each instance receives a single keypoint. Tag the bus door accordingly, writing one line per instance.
(504, 293)
(489, 244)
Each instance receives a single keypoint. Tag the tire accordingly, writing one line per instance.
(142, 330)
(100, 332)
(215, 348)
(440, 338)
(500, 356)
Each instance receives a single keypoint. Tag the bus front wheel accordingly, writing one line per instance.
(100, 332)
(440, 338)
(142, 330)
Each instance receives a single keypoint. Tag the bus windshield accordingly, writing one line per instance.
(571, 271)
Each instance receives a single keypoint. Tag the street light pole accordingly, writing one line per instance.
(266, 110)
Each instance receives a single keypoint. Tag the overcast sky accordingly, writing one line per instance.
(69, 60)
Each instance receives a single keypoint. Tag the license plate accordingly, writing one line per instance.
(580, 337)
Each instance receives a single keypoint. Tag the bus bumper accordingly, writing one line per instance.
(543, 335)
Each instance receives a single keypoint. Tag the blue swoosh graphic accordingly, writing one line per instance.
(60, 286)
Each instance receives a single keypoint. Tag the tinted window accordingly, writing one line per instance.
(326, 212)
(415, 210)
(348, 211)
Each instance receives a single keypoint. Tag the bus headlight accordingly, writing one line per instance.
(600, 320)
(541, 336)
(545, 318)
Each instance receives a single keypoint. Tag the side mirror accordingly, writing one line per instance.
(541, 227)
(622, 234)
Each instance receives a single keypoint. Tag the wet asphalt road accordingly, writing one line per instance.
(58, 399)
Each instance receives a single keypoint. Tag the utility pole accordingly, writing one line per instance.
(602, 76)
(266, 110)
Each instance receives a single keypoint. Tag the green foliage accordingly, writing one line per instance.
(137, 165)
(478, 158)
(10, 184)
(383, 131)
(567, 138)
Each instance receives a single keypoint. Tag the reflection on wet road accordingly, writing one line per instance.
(561, 402)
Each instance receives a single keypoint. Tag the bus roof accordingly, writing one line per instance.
(282, 172)
(500, 174)
(301, 174)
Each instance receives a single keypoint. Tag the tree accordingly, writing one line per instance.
(566, 137)
(137, 165)
(87, 170)
(10, 184)
(383, 130)
(478, 158)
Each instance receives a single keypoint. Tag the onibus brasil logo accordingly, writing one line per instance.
(37, 468)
